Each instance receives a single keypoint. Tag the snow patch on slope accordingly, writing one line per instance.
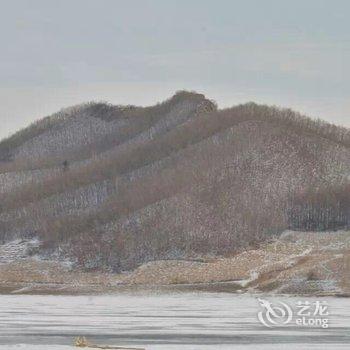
(18, 249)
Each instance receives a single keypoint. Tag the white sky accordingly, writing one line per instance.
(289, 53)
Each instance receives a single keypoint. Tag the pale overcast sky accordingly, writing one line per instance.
(55, 53)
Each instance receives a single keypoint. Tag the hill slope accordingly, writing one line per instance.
(111, 187)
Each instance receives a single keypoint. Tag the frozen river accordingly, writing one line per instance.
(196, 321)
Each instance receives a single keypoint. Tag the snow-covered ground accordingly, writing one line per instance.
(16, 250)
(183, 321)
(202, 347)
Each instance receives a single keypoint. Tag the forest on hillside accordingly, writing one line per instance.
(110, 187)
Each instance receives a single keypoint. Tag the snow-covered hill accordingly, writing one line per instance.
(114, 187)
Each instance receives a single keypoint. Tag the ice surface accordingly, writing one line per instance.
(183, 321)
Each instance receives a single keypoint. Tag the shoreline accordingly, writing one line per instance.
(97, 290)
(296, 263)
